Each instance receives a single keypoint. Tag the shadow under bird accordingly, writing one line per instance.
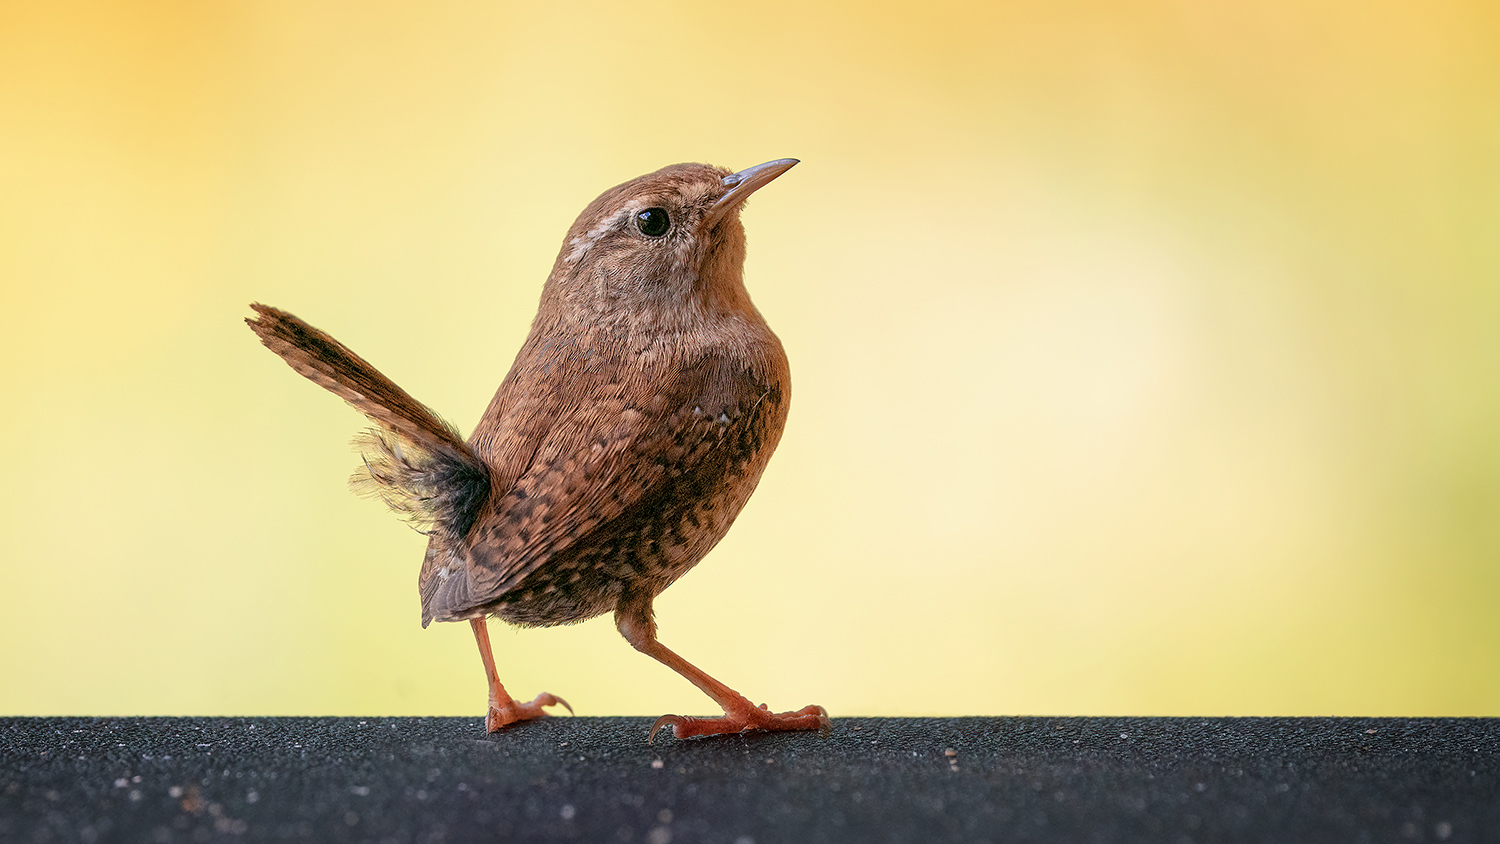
(631, 429)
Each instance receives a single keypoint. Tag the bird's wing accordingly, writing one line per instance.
(609, 466)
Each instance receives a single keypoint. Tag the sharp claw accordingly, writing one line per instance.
(825, 724)
(662, 722)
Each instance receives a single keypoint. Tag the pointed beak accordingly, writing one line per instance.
(742, 184)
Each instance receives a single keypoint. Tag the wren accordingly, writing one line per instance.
(631, 429)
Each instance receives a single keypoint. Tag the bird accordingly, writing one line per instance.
(632, 427)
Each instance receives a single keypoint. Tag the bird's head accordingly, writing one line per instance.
(662, 247)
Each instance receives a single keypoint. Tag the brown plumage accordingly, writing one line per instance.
(630, 431)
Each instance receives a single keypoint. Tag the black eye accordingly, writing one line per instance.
(653, 222)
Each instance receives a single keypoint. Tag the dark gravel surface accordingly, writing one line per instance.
(869, 780)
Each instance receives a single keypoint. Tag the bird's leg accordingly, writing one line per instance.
(635, 622)
(504, 710)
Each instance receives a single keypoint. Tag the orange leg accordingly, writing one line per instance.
(636, 624)
(504, 710)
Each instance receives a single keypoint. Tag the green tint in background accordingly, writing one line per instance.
(1147, 354)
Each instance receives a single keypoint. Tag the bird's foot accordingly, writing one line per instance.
(513, 712)
(738, 719)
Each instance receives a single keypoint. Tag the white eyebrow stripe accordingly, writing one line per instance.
(584, 242)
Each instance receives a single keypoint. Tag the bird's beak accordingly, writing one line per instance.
(742, 184)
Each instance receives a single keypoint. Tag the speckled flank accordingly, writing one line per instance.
(661, 535)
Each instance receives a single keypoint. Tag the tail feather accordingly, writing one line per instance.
(436, 491)
(414, 461)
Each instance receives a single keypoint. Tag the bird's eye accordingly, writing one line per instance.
(653, 222)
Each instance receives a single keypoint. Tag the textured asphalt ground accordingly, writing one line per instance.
(868, 780)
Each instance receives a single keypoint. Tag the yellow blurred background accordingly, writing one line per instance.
(1147, 354)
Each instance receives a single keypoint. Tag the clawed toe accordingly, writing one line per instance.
(549, 699)
(503, 715)
(740, 720)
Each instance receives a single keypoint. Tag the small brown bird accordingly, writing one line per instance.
(630, 431)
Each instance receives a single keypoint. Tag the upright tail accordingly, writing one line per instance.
(414, 461)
